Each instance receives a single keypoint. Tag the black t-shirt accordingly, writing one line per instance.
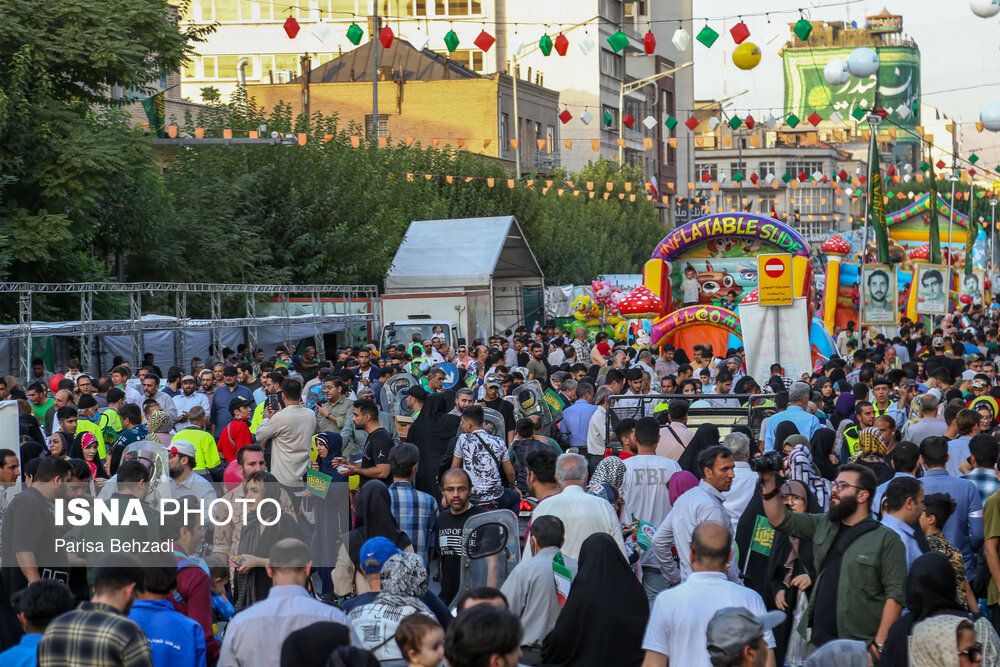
(377, 452)
(449, 539)
(824, 621)
(29, 525)
(507, 410)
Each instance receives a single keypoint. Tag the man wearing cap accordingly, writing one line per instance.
(87, 422)
(220, 414)
(236, 433)
(493, 401)
(736, 637)
(183, 480)
(187, 399)
(206, 449)
(678, 623)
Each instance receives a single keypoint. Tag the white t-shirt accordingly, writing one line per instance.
(646, 494)
(679, 621)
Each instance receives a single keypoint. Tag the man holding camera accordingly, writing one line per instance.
(861, 563)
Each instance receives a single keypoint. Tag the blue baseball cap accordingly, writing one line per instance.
(375, 552)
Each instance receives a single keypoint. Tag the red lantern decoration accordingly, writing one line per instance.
(842, 175)
(385, 36)
(749, 122)
(691, 123)
(649, 43)
(706, 177)
(562, 45)
(565, 116)
(484, 41)
(803, 177)
(891, 170)
(740, 32)
(754, 178)
(291, 27)
(628, 120)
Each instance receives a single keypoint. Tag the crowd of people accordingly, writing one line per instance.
(857, 524)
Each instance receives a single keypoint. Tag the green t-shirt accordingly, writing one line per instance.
(991, 528)
(40, 410)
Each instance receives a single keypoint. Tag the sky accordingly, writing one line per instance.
(957, 50)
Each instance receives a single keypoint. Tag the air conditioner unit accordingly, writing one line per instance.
(285, 76)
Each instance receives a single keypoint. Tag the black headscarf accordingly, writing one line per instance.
(605, 614)
(373, 518)
(312, 645)
(706, 436)
(930, 591)
(782, 431)
(821, 445)
(430, 432)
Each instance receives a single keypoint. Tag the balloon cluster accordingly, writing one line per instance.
(862, 62)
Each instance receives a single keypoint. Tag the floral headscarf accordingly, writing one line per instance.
(934, 640)
(870, 443)
(801, 469)
(610, 470)
(404, 582)
(159, 422)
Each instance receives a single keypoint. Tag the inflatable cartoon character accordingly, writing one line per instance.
(748, 273)
(719, 247)
(617, 296)
(586, 311)
(716, 285)
(602, 290)
(642, 339)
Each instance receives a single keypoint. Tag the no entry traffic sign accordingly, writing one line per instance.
(775, 279)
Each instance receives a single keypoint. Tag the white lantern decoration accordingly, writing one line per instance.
(586, 44)
(836, 118)
(681, 39)
(722, 178)
(713, 123)
(769, 178)
(848, 191)
(906, 179)
(985, 9)
(903, 111)
(990, 116)
(419, 41)
(649, 122)
(862, 62)
(586, 117)
(836, 73)
(321, 30)
(908, 168)
(517, 44)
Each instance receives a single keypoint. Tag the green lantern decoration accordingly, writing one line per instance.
(792, 120)
(451, 41)
(859, 113)
(545, 45)
(786, 177)
(670, 122)
(973, 158)
(607, 119)
(735, 122)
(355, 33)
(803, 29)
(924, 166)
(737, 177)
(707, 36)
(618, 41)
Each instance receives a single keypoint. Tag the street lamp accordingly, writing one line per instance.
(635, 85)
(993, 235)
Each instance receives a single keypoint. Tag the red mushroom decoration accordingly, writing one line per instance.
(641, 304)
(752, 297)
(921, 253)
(836, 245)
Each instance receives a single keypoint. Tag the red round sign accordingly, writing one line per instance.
(774, 267)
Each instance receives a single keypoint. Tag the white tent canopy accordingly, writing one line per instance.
(462, 254)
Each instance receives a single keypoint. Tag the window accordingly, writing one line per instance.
(280, 10)
(503, 131)
(709, 167)
(415, 8)
(189, 70)
(808, 166)
(612, 10)
(765, 168)
(613, 112)
(287, 61)
(612, 64)
(383, 125)
(209, 67)
(227, 67)
(457, 7)
(738, 167)
(550, 137)
(471, 58)
(635, 9)
(765, 203)
(337, 9)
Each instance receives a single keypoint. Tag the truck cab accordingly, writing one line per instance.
(402, 331)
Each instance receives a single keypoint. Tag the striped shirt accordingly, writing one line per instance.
(416, 513)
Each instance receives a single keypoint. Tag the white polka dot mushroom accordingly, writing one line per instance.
(641, 304)
(921, 253)
(752, 297)
(836, 245)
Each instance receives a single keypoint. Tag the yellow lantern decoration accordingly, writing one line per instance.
(746, 56)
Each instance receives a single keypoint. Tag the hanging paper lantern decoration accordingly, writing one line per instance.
(681, 39)
(842, 175)
(984, 9)
(451, 41)
(735, 122)
(769, 179)
(692, 123)
(903, 111)
(940, 164)
(990, 116)
(291, 27)
(802, 29)
(803, 177)
(817, 175)
(973, 158)
(562, 45)
(628, 120)
(749, 122)
(385, 36)
(649, 122)
(565, 116)
(670, 122)
(754, 178)
(859, 113)
(419, 40)
(706, 177)
(862, 62)
(586, 44)
(545, 45)
(649, 43)
(740, 32)
(713, 123)
(814, 119)
(586, 117)
(355, 33)
(608, 118)
(707, 36)
(746, 56)
(891, 170)
(792, 120)
(924, 166)
(836, 118)
(836, 73)
(484, 41)
(737, 177)
(618, 41)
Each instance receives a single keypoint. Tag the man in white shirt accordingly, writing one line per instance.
(678, 623)
(290, 431)
(187, 399)
(597, 441)
(675, 436)
(723, 385)
(634, 381)
(581, 513)
(695, 506)
(647, 498)
(739, 494)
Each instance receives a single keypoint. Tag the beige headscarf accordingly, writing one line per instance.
(934, 642)
(159, 422)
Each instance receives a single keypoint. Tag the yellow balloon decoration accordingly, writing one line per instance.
(746, 55)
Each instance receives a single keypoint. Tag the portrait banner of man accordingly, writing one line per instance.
(932, 289)
(972, 285)
(880, 297)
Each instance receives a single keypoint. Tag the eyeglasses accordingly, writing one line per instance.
(974, 652)
(838, 484)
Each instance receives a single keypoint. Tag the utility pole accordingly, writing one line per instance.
(376, 27)
(306, 65)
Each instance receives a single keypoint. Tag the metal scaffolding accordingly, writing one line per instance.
(135, 326)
